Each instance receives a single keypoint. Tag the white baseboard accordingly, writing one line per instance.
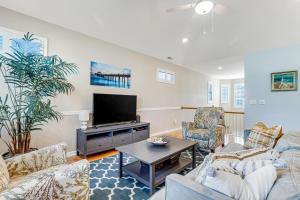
(73, 153)
(165, 132)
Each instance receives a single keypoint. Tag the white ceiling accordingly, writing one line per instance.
(144, 26)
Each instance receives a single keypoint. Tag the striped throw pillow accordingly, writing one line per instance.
(262, 136)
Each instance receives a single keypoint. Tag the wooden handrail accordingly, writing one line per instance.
(226, 112)
(234, 112)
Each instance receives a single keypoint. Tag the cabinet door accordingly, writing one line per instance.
(140, 135)
(100, 143)
(122, 139)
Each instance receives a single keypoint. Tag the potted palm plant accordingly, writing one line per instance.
(32, 80)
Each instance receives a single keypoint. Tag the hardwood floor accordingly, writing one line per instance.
(176, 134)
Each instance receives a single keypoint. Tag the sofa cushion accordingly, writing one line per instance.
(4, 175)
(288, 141)
(262, 136)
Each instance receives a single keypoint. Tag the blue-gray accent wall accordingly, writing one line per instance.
(280, 107)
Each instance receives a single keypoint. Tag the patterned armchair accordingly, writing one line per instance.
(44, 174)
(208, 128)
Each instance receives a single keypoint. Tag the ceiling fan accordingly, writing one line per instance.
(201, 7)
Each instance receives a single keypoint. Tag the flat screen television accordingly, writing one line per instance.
(113, 108)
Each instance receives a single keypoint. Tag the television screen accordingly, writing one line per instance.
(112, 108)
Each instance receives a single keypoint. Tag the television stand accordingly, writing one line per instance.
(107, 137)
(111, 124)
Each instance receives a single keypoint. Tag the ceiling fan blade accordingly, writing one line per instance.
(181, 8)
(220, 9)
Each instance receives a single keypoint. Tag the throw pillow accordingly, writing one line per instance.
(254, 186)
(4, 175)
(261, 181)
(242, 168)
(262, 136)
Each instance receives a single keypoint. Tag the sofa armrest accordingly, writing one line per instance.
(60, 182)
(183, 188)
(36, 160)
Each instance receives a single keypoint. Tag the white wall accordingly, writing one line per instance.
(230, 106)
(190, 87)
(281, 107)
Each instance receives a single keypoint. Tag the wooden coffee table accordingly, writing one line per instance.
(152, 155)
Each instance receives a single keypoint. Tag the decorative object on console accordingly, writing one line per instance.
(32, 80)
(84, 117)
(110, 76)
(284, 81)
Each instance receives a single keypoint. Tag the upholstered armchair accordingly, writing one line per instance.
(44, 174)
(208, 128)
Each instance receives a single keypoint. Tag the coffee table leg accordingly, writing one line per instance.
(120, 164)
(194, 157)
(151, 178)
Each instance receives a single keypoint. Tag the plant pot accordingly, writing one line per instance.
(8, 155)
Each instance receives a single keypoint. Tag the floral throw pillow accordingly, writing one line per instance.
(4, 175)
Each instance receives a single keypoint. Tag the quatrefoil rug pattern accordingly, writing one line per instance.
(105, 183)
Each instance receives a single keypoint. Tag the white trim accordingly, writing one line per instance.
(158, 108)
(165, 131)
(71, 153)
(76, 112)
(70, 112)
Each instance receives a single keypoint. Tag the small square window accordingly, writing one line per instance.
(165, 76)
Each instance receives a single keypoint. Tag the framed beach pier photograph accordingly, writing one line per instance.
(110, 76)
(284, 81)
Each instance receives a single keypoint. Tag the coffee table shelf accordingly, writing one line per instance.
(151, 156)
(135, 170)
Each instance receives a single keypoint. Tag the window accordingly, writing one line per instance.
(209, 93)
(165, 76)
(1, 42)
(239, 95)
(225, 93)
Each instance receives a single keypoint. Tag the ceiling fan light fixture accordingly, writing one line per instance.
(204, 7)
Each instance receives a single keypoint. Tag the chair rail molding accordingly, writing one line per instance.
(76, 112)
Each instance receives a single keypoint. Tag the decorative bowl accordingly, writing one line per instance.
(159, 141)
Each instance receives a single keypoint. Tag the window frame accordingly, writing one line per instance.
(227, 86)
(235, 105)
(166, 72)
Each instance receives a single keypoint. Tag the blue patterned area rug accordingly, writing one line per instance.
(105, 183)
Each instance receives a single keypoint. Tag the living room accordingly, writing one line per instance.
(142, 83)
